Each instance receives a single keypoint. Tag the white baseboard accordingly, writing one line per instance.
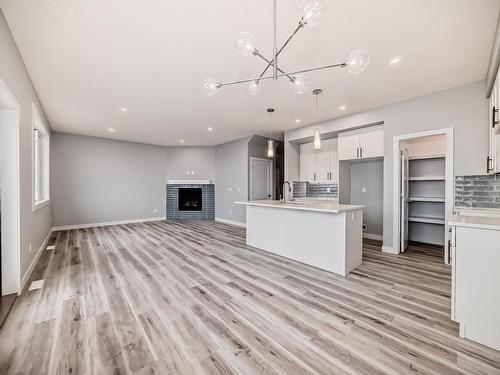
(389, 249)
(231, 222)
(104, 224)
(28, 272)
(370, 236)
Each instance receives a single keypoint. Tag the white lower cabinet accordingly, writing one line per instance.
(476, 283)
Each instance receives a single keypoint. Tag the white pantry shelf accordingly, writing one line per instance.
(427, 178)
(427, 219)
(427, 157)
(427, 199)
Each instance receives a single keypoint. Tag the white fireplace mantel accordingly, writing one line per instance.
(190, 182)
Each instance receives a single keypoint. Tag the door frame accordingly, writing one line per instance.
(271, 180)
(396, 190)
(11, 252)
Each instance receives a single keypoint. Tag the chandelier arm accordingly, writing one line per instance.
(222, 84)
(340, 65)
(258, 54)
(270, 63)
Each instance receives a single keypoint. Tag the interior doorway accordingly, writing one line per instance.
(423, 189)
(9, 200)
(261, 179)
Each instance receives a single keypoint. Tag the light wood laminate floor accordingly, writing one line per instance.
(191, 298)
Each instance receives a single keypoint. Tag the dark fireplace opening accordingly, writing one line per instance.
(190, 199)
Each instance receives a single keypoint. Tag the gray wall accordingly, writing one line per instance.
(464, 108)
(98, 180)
(369, 175)
(180, 160)
(34, 226)
(231, 179)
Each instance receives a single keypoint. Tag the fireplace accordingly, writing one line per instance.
(190, 199)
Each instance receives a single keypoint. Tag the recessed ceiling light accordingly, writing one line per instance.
(342, 107)
(298, 120)
(111, 130)
(123, 109)
(182, 141)
(210, 129)
(395, 60)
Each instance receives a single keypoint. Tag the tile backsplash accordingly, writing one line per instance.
(482, 191)
(315, 189)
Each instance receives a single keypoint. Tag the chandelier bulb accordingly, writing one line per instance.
(357, 61)
(245, 43)
(311, 11)
(299, 84)
(254, 87)
(210, 86)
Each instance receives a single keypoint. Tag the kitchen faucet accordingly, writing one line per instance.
(285, 192)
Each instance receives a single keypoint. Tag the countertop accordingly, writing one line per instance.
(492, 223)
(329, 207)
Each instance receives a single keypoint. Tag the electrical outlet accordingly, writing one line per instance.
(155, 210)
(363, 189)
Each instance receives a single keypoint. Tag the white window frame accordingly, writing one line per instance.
(40, 165)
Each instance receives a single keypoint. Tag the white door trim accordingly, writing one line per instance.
(11, 254)
(271, 179)
(449, 177)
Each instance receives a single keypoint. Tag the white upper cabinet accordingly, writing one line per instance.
(307, 162)
(319, 165)
(372, 142)
(334, 159)
(493, 160)
(349, 145)
(323, 161)
(361, 144)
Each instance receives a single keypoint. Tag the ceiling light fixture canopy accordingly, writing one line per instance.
(356, 62)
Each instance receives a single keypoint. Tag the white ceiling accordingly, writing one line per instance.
(89, 58)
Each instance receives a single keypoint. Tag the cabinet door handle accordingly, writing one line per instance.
(488, 168)
(361, 152)
(494, 116)
(314, 176)
(357, 152)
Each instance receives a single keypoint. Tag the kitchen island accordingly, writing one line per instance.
(325, 235)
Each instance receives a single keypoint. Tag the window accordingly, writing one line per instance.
(40, 151)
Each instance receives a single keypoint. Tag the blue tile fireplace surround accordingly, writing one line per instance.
(190, 201)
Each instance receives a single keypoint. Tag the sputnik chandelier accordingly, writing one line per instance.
(355, 63)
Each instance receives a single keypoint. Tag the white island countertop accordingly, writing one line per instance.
(319, 206)
(492, 223)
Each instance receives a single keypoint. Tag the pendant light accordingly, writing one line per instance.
(270, 141)
(317, 132)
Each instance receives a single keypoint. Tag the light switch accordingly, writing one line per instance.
(363, 189)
